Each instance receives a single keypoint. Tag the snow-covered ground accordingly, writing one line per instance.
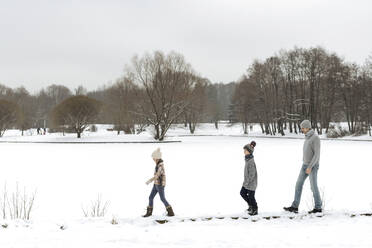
(204, 177)
(204, 129)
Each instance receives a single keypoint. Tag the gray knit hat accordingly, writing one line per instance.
(305, 124)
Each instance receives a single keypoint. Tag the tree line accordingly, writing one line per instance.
(298, 84)
(158, 90)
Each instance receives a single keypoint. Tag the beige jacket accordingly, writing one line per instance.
(159, 175)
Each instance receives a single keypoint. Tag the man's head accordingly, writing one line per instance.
(305, 126)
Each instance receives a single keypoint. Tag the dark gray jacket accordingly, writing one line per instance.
(250, 175)
(311, 149)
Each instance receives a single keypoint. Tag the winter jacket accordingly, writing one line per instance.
(159, 175)
(250, 174)
(311, 149)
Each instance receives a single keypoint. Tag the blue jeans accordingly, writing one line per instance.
(313, 183)
(157, 189)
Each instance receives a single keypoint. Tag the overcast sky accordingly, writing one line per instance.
(89, 42)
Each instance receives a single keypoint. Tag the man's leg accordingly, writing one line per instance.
(299, 185)
(314, 187)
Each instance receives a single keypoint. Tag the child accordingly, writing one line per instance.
(250, 179)
(159, 184)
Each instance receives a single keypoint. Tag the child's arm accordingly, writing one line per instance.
(150, 180)
(157, 175)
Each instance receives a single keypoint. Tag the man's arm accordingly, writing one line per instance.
(316, 149)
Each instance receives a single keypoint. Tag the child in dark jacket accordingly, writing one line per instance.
(250, 179)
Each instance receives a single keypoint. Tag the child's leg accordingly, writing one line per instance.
(251, 199)
(152, 196)
(244, 195)
(160, 189)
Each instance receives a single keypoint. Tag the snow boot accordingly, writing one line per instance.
(170, 211)
(315, 210)
(291, 209)
(254, 211)
(148, 213)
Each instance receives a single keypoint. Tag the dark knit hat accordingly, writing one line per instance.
(253, 143)
(250, 147)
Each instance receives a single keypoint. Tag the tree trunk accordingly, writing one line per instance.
(245, 127)
(192, 127)
(157, 132)
(262, 128)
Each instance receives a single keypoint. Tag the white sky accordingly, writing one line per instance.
(89, 42)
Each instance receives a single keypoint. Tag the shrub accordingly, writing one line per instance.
(336, 131)
(16, 205)
(96, 209)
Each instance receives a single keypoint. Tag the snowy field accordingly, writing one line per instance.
(204, 177)
(205, 129)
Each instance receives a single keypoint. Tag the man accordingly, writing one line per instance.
(310, 167)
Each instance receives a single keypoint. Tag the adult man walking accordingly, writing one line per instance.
(310, 167)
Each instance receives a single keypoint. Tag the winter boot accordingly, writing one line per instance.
(170, 211)
(254, 211)
(315, 210)
(291, 209)
(148, 213)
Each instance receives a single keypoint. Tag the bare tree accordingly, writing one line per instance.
(77, 113)
(27, 108)
(57, 93)
(165, 83)
(6, 93)
(120, 100)
(46, 100)
(198, 100)
(367, 89)
(245, 102)
(80, 90)
(351, 89)
(9, 115)
(312, 84)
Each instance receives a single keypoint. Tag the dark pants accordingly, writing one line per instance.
(248, 196)
(157, 189)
